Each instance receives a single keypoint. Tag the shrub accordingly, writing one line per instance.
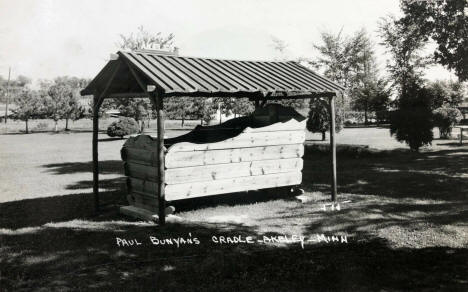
(412, 122)
(124, 126)
(319, 118)
(41, 126)
(445, 118)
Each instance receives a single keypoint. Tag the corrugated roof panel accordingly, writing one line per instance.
(186, 75)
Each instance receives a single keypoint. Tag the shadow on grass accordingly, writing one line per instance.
(35, 212)
(105, 167)
(438, 175)
(84, 255)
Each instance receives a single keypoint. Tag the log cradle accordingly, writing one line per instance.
(260, 151)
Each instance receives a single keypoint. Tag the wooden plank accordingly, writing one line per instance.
(138, 213)
(145, 202)
(139, 156)
(194, 158)
(240, 184)
(144, 172)
(290, 125)
(161, 155)
(231, 170)
(333, 148)
(95, 154)
(149, 188)
(245, 140)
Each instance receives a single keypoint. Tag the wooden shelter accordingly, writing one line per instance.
(159, 74)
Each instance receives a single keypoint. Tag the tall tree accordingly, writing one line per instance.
(72, 106)
(412, 121)
(446, 23)
(28, 105)
(57, 102)
(140, 108)
(347, 60)
(404, 43)
(373, 95)
(179, 107)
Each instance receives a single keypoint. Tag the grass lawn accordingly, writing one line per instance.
(404, 216)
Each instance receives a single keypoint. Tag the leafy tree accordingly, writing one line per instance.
(412, 122)
(138, 108)
(319, 118)
(405, 44)
(242, 107)
(146, 40)
(372, 96)
(28, 105)
(57, 102)
(446, 23)
(345, 60)
(445, 118)
(204, 109)
(225, 106)
(123, 127)
(179, 107)
(446, 94)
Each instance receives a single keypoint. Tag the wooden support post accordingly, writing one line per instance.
(95, 153)
(461, 136)
(157, 97)
(333, 148)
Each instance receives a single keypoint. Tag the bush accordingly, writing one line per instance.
(445, 118)
(319, 117)
(412, 122)
(124, 126)
(41, 126)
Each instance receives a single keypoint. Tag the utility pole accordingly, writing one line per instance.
(7, 95)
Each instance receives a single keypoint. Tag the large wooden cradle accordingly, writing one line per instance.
(257, 152)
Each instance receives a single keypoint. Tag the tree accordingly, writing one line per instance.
(319, 118)
(446, 23)
(179, 107)
(57, 102)
(138, 108)
(204, 109)
(28, 105)
(242, 107)
(225, 106)
(412, 121)
(445, 118)
(446, 94)
(345, 60)
(373, 95)
(146, 40)
(405, 44)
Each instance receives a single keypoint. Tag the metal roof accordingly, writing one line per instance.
(176, 75)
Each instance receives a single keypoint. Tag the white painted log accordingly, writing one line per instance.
(245, 140)
(194, 158)
(240, 184)
(291, 125)
(231, 170)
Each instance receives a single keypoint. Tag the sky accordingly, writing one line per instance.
(43, 39)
